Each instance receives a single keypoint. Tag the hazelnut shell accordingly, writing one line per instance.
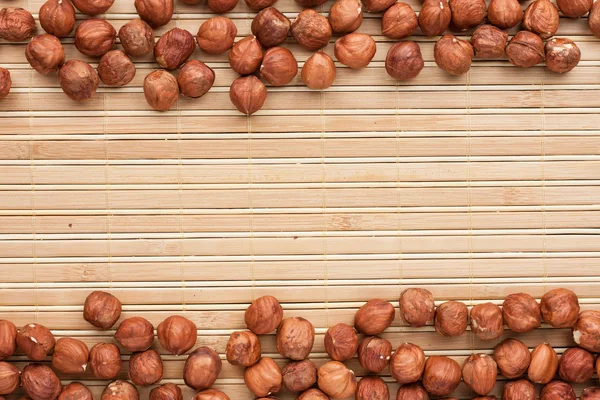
(202, 368)
(489, 42)
(95, 37)
(355, 50)
(161, 91)
(541, 17)
(519, 390)
(105, 361)
(279, 66)
(512, 357)
(372, 388)
(70, 356)
(434, 17)
(560, 307)
(451, 318)
(120, 390)
(591, 393)
(145, 368)
(265, 313)
(345, 16)
(243, 348)
(486, 321)
(93, 7)
(417, 307)
(453, 55)
(246, 55)
(399, 21)
(479, 373)
(467, 14)
(310, 3)
(257, 5)
(216, 35)
(311, 30)
(441, 376)
(16, 24)
(76, 391)
(593, 19)
(576, 365)
(319, 73)
(505, 13)
(407, 363)
(313, 394)
(137, 38)
(374, 353)
(116, 68)
(374, 317)
(136, 333)
(248, 94)
(414, 391)
(35, 340)
(521, 312)
(211, 394)
(525, 50)
(57, 17)
(404, 60)
(174, 48)
(40, 382)
(10, 378)
(168, 391)
(574, 8)
(299, 376)
(586, 332)
(377, 6)
(102, 309)
(562, 55)
(557, 390)
(341, 342)
(222, 6)
(295, 338)
(155, 12)
(336, 380)
(271, 27)
(8, 330)
(544, 364)
(178, 334)
(264, 377)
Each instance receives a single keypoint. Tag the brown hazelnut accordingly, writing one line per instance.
(36, 341)
(560, 307)
(557, 390)
(246, 55)
(591, 393)
(355, 50)
(216, 35)
(313, 394)
(467, 14)
(416, 305)
(489, 42)
(544, 363)
(451, 318)
(271, 27)
(576, 365)
(562, 55)
(155, 12)
(45, 54)
(310, 3)
(279, 66)
(136, 333)
(594, 19)
(265, 313)
(441, 376)
(525, 50)
(102, 309)
(574, 8)
(479, 373)
(519, 390)
(248, 94)
(168, 391)
(299, 376)
(40, 382)
(414, 391)
(10, 378)
(295, 338)
(8, 330)
(202, 368)
(264, 377)
(145, 368)
(374, 317)
(120, 390)
(521, 312)
(116, 68)
(374, 353)
(512, 357)
(70, 356)
(211, 394)
(257, 5)
(311, 30)
(174, 48)
(222, 6)
(434, 17)
(404, 60)
(93, 7)
(177, 334)
(105, 361)
(161, 90)
(16, 24)
(341, 342)
(57, 17)
(407, 363)
(95, 37)
(399, 21)
(345, 16)
(586, 332)
(372, 388)
(505, 13)
(76, 391)
(541, 17)
(243, 348)
(336, 380)
(318, 72)
(486, 321)
(137, 38)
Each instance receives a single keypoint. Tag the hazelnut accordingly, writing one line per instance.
(336, 380)
(341, 342)
(222, 6)
(295, 338)
(512, 357)
(120, 390)
(202, 368)
(145, 368)
(16, 24)
(136, 333)
(594, 20)
(318, 72)
(246, 55)
(489, 43)
(45, 54)
(93, 7)
(519, 390)
(248, 94)
(177, 334)
(102, 309)
(174, 48)
(521, 312)
(70, 356)
(525, 50)
(441, 376)
(377, 6)
(105, 361)
(355, 50)
(576, 365)
(57, 17)
(161, 90)
(399, 21)
(257, 5)
(10, 378)
(8, 330)
(76, 391)
(40, 382)
(271, 27)
(168, 391)
(413, 391)
(374, 317)
(299, 376)
(313, 394)
(404, 60)
(116, 68)
(264, 377)
(451, 318)
(155, 12)
(407, 363)
(416, 305)
(137, 38)
(35, 340)
(562, 55)
(374, 353)
(279, 66)
(95, 37)
(243, 348)
(544, 363)
(557, 390)
(372, 388)
(434, 17)
(479, 373)
(345, 16)
(310, 3)
(216, 35)
(574, 8)
(586, 332)
(560, 307)
(265, 313)
(211, 394)
(505, 13)
(467, 14)
(541, 17)
(311, 30)
(591, 393)
(486, 321)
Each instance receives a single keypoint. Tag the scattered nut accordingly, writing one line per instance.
(202, 368)
(521, 312)
(489, 43)
(377, 6)
(257, 5)
(137, 38)
(557, 390)
(512, 357)
(8, 330)
(145, 368)
(299, 376)
(404, 60)
(525, 50)
(341, 342)
(102, 309)
(560, 307)
(57, 17)
(336, 380)
(93, 7)
(279, 66)
(594, 21)
(413, 391)
(35, 340)
(451, 318)
(591, 393)
(467, 14)
(211, 394)
(105, 361)
(407, 363)
(434, 17)
(313, 394)
(399, 21)
(216, 35)
(311, 30)
(248, 94)
(574, 8)
(16, 24)
(136, 333)
(246, 55)
(372, 388)
(586, 332)
(10, 378)
(416, 305)
(374, 353)
(318, 73)
(76, 391)
(562, 55)
(355, 50)
(486, 321)
(70, 356)
(345, 16)
(168, 391)
(161, 91)
(295, 338)
(155, 12)
(222, 6)
(40, 382)
(479, 373)
(271, 27)
(116, 69)
(576, 365)
(541, 17)
(264, 377)
(178, 334)
(544, 363)
(519, 390)
(505, 13)
(95, 37)
(374, 317)
(243, 348)
(120, 390)
(310, 3)
(441, 376)
(174, 48)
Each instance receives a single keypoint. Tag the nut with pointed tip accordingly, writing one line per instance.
(479, 373)
(319, 71)
(541, 17)
(137, 38)
(557, 390)
(355, 50)
(93, 7)
(40, 382)
(161, 91)
(417, 307)
(512, 357)
(562, 55)
(434, 17)
(102, 309)
(120, 390)
(271, 27)
(404, 60)
(222, 6)
(174, 48)
(216, 35)
(145, 368)
(560, 307)
(505, 13)
(346, 16)
(116, 68)
(16, 24)
(374, 317)
(525, 50)
(519, 390)
(95, 37)
(246, 55)
(594, 19)
(8, 330)
(399, 21)
(295, 338)
(70, 356)
(76, 391)
(574, 8)
(299, 376)
(591, 393)
(451, 318)
(264, 377)
(178, 334)
(211, 394)
(467, 14)
(279, 66)
(336, 380)
(105, 361)
(441, 376)
(311, 30)
(544, 364)
(372, 388)
(489, 42)
(486, 321)
(243, 348)
(57, 17)
(414, 391)
(341, 342)
(407, 363)
(202, 368)
(35, 340)
(155, 12)
(521, 312)
(10, 378)
(576, 365)
(168, 391)
(374, 353)
(248, 94)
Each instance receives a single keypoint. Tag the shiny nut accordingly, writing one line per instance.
(404, 60)
(105, 361)
(399, 21)
(416, 306)
(195, 79)
(248, 94)
(374, 317)
(168, 391)
(57, 17)
(310, 3)
(434, 17)
(35, 340)
(574, 8)
(137, 38)
(377, 6)
(8, 330)
(311, 30)
(505, 13)
(10, 378)
(145, 368)
(265, 313)
(216, 35)
(222, 6)
(177, 334)
(479, 373)
(70, 356)
(341, 342)
(407, 363)
(512, 357)
(519, 390)
(174, 48)
(372, 388)
(295, 338)
(243, 348)
(414, 391)
(557, 390)
(299, 376)
(521, 312)
(594, 20)
(562, 55)
(489, 42)
(541, 17)
(576, 365)
(318, 71)
(155, 12)
(120, 390)
(279, 66)
(544, 363)
(246, 55)
(486, 321)
(271, 27)
(16, 24)
(451, 318)
(560, 307)
(336, 380)
(76, 391)
(355, 50)
(95, 37)
(116, 68)
(313, 394)
(93, 7)
(161, 91)
(374, 353)
(586, 332)
(211, 394)
(202, 368)
(136, 333)
(102, 309)
(258, 5)
(40, 382)
(467, 14)
(264, 377)
(525, 50)
(441, 376)
(591, 393)
(345, 16)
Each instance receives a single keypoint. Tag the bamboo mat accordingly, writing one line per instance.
(473, 187)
